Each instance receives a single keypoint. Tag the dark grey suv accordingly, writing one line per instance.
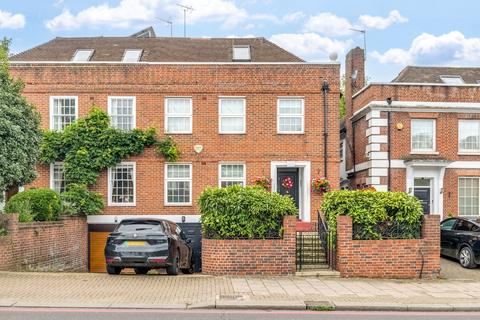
(145, 244)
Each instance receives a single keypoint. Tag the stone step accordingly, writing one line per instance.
(311, 254)
(313, 266)
(318, 273)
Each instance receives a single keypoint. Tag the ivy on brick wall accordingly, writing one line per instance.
(91, 145)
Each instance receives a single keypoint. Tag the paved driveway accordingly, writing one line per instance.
(452, 270)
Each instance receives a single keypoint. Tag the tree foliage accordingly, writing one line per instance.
(20, 135)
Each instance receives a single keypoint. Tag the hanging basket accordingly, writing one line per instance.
(320, 185)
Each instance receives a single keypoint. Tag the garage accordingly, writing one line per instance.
(99, 227)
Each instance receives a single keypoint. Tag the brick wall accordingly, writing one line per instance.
(251, 257)
(403, 259)
(261, 85)
(45, 246)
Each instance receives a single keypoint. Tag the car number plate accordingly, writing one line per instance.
(135, 243)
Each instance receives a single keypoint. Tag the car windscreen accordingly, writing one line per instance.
(131, 226)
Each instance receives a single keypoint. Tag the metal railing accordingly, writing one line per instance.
(328, 241)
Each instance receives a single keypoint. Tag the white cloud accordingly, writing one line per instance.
(11, 21)
(396, 56)
(448, 48)
(129, 11)
(292, 17)
(374, 22)
(245, 36)
(328, 24)
(311, 46)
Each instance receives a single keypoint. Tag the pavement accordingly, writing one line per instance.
(158, 291)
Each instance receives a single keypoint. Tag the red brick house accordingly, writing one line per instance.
(419, 133)
(237, 108)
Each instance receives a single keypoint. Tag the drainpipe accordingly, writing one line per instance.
(325, 89)
(389, 179)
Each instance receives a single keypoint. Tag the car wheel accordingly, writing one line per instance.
(141, 270)
(173, 269)
(113, 270)
(466, 258)
(190, 269)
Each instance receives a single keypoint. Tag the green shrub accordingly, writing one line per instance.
(35, 205)
(78, 200)
(243, 212)
(372, 212)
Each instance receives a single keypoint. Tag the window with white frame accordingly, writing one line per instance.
(57, 177)
(290, 115)
(232, 115)
(232, 174)
(178, 184)
(178, 115)
(469, 135)
(469, 196)
(122, 112)
(63, 111)
(82, 55)
(132, 55)
(452, 79)
(122, 185)
(241, 53)
(423, 135)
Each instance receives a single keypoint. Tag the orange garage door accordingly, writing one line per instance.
(97, 247)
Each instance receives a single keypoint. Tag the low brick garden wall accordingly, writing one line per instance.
(252, 257)
(401, 259)
(45, 246)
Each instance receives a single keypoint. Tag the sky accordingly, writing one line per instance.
(399, 32)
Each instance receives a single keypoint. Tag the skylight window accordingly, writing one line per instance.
(241, 53)
(83, 55)
(132, 55)
(452, 79)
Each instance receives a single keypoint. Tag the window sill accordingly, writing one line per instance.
(288, 133)
(177, 204)
(466, 153)
(122, 205)
(232, 133)
(425, 152)
(172, 133)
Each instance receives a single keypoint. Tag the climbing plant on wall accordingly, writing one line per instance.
(91, 145)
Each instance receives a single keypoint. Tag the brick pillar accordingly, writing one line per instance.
(290, 241)
(431, 245)
(344, 240)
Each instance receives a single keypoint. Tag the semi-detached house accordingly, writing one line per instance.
(419, 133)
(237, 108)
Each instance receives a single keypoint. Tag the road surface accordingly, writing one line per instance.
(137, 314)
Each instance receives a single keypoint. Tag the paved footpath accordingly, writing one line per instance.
(198, 291)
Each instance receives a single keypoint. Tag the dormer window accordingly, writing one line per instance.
(132, 55)
(452, 79)
(82, 55)
(241, 53)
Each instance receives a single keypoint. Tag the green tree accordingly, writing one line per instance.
(20, 134)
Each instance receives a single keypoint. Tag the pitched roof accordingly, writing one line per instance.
(157, 49)
(414, 74)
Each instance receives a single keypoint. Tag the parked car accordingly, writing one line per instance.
(145, 244)
(460, 239)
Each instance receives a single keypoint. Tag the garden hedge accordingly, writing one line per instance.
(372, 212)
(35, 205)
(237, 212)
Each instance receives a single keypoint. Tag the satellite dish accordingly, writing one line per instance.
(333, 56)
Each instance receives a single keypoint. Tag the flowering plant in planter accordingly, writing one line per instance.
(320, 184)
(264, 182)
